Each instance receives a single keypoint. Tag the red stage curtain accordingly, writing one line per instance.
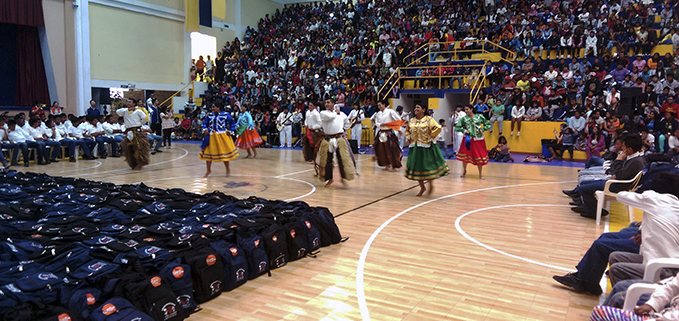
(22, 12)
(31, 84)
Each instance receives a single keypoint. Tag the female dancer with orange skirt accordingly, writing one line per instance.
(248, 138)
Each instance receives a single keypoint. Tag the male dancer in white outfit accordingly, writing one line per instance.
(457, 136)
(356, 116)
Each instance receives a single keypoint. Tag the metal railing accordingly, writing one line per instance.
(426, 53)
(178, 92)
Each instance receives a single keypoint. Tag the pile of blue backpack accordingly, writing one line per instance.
(72, 249)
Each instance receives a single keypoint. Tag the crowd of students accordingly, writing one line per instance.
(45, 134)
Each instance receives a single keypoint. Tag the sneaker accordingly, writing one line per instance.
(71, 159)
(571, 280)
(159, 151)
(153, 152)
(54, 160)
(518, 134)
(511, 134)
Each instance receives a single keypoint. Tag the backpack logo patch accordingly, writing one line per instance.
(211, 260)
(118, 227)
(131, 243)
(275, 238)
(280, 260)
(96, 266)
(155, 281)
(90, 299)
(184, 300)
(292, 233)
(240, 275)
(234, 251)
(108, 309)
(46, 276)
(151, 250)
(64, 317)
(169, 310)
(256, 243)
(105, 240)
(308, 225)
(178, 272)
(262, 266)
(315, 242)
(216, 287)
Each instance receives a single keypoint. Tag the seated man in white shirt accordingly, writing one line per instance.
(4, 142)
(23, 141)
(41, 138)
(112, 131)
(120, 125)
(75, 132)
(153, 138)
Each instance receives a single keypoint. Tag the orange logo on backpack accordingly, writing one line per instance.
(64, 317)
(90, 299)
(211, 260)
(234, 251)
(178, 272)
(275, 238)
(108, 309)
(155, 281)
(292, 233)
(256, 243)
(308, 225)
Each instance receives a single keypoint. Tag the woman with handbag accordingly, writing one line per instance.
(217, 145)
(473, 150)
(248, 138)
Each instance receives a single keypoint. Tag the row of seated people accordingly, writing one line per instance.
(626, 252)
(46, 136)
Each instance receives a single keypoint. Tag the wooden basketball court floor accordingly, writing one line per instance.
(474, 250)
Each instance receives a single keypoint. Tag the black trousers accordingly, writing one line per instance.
(167, 133)
(329, 166)
(156, 128)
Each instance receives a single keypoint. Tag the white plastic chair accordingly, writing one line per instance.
(601, 196)
(651, 274)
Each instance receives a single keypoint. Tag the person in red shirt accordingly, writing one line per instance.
(670, 105)
(200, 66)
(186, 125)
(37, 110)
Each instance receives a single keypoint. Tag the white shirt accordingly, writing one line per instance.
(132, 119)
(108, 129)
(334, 123)
(384, 116)
(660, 224)
(518, 112)
(54, 135)
(441, 137)
(36, 133)
(19, 136)
(359, 115)
(550, 75)
(673, 141)
(62, 131)
(76, 131)
(313, 119)
(285, 119)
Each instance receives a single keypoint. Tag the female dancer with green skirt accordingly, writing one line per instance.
(425, 161)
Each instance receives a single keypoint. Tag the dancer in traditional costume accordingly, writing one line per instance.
(248, 138)
(387, 147)
(473, 150)
(136, 145)
(313, 134)
(335, 142)
(218, 146)
(425, 161)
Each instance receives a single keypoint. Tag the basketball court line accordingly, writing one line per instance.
(186, 153)
(461, 231)
(360, 291)
(79, 169)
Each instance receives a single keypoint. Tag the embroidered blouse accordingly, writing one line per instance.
(422, 132)
(476, 126)
(219, 123)
(245, 119)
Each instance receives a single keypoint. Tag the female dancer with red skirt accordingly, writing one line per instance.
(473, 150)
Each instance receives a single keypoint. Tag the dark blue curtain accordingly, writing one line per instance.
(8, 65)
(205, 10)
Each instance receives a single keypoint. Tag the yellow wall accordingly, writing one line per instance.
(61, 39)
(530, 141)
(253, 10)
(230, 11)
(172, 4)
(133, 47)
